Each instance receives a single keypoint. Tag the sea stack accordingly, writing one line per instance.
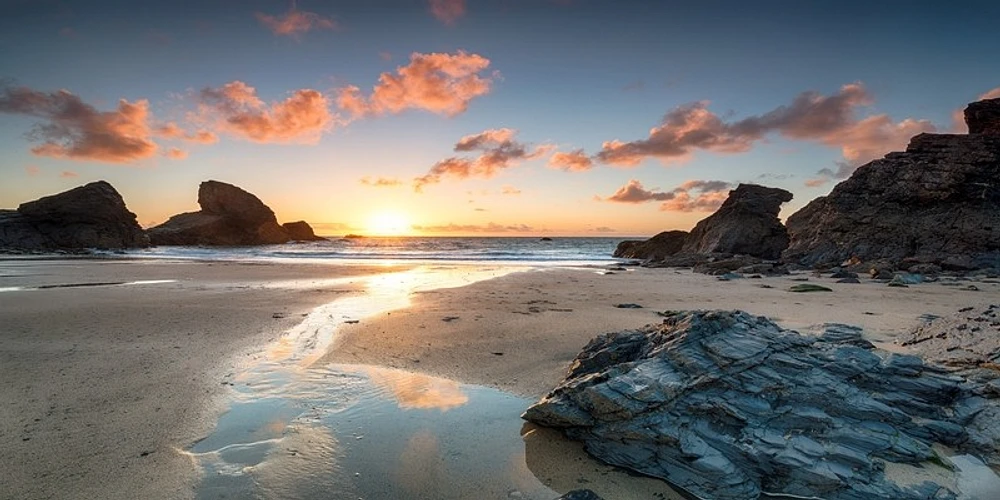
(90, 216)
(229, 216)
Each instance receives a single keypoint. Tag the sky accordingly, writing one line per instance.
(476, 117)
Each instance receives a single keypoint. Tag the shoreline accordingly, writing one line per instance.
(111, 384)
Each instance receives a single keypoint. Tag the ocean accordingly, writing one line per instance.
(502, 250)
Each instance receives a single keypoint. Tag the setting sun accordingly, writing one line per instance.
(388, 224)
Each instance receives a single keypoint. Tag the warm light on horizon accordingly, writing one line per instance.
(388, 224)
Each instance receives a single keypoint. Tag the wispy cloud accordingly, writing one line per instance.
(380, 181)
(691, 196)
(68, 174)
(175, 154)
(447, 11)
(573, 161)
(810, 116)
(497, 148)
(510, 191)
(437, 82)
(171, 130)
(33, 170)
(295, 22)
(235, 108)
(76, 130)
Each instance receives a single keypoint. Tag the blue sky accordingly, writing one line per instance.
(565, 75)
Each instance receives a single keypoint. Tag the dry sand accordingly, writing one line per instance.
(103, 386)
(519, 332)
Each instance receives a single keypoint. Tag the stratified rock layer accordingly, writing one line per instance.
(90, 216)
(728, 406)
(229, 216)
(747, 224)
(937, 203)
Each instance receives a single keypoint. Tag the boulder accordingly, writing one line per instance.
(301, 231)
(658, 247)
(983, 117)
(90, 216)
(731, 406)
(936, 204)
(747, 223)
(229, 216)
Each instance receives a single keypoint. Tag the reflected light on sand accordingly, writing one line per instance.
(417, 391)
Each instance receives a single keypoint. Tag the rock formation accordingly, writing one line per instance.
(301, 231)
(90, 216)
(937, 203)
(228, 216)
(658, 247)
(746, 224)
(729, 406)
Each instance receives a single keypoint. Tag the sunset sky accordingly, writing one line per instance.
(475, 117)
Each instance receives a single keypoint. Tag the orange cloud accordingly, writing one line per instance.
(33, 170)
(510, 191)
(475, 228)
(438, 82)
(574, 161)
(295, 22)
(171, 130)
(76, 130)
(380, 182)
(707, 195)
(810, 116)
(68, 174)
(236, 109)
(498, 151)
(447, 11)
(175, 154)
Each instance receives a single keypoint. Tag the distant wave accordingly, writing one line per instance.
(561, 251)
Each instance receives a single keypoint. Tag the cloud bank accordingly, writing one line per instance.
(691, 196)
(437, 82)
(235, 108)
(497, 148)
(829, 120)
(75, 130)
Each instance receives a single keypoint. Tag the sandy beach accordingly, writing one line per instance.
(107, 385)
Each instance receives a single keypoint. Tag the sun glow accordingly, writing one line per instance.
(388, 224)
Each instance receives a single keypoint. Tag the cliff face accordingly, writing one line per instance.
(937, 202)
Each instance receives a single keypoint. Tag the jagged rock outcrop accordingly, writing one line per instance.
(90, 216)
(937, 203)
(729, 406)
(747, 223)
(301, 231)
(229, 216)
(983, 117)
(658, 247)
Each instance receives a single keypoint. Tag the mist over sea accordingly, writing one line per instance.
(518, 250)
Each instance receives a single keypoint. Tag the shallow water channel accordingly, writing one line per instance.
(299, 429)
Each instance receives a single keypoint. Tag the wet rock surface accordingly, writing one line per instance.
(935, 205)
(301, 231)
(229, 216)
(658, 247)
(730, 406)
(90, 216)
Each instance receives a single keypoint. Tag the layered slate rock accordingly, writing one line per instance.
(90, 216)
(729, 406)
(229, 216)
(658, 247)
(747, 223)
(936, 203)
(300, 231)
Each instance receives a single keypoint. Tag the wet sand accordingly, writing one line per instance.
(519, 333)
(102, 386)
(105, 387)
